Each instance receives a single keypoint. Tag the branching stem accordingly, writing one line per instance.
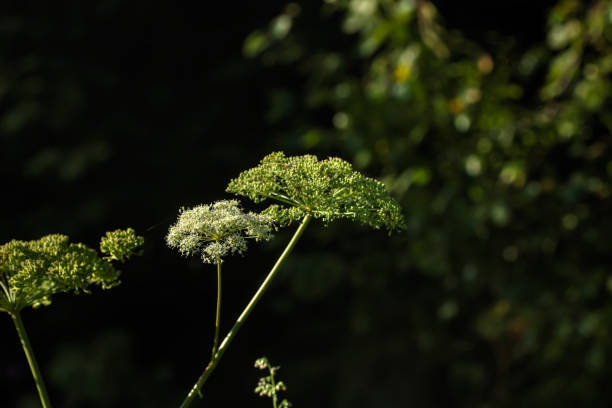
(27, 348)
(285, 199)
(195, 390)
(5, 289)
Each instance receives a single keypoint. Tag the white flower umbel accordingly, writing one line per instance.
(304, 188)
(216, 230)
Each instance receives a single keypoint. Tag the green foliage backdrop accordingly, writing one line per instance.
(499, 151)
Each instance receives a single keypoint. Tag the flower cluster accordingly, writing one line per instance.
(327, 189)
(32, 271)
(267, 386)
(216, 230)
(120, 245)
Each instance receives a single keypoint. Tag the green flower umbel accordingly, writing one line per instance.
(32, 271)
(216, 230)
(328, 189)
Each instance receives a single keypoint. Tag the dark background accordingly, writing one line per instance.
(116, 114)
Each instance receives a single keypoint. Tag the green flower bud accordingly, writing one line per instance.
(120, 245)
(32, 271)
(328, 189)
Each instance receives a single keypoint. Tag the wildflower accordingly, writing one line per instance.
(216, 230)
(32, 271)
(327, 189)
(119, 245)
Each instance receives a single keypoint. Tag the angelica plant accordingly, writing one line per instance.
(269, 386)
(326, 189)
(217, 230)
(301, 188)
(31, 272)
(213, 232)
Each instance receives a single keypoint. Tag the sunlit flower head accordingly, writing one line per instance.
(216, 230)
(327, 189)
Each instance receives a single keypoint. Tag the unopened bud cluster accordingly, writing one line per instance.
(267, 386)
(326, 189)
(32, 271)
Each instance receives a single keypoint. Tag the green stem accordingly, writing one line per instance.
(273, 386)
(217, 318)
(284, 199)
(195, 390)
(27, 348)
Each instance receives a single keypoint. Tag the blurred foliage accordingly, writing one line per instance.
(499, 293)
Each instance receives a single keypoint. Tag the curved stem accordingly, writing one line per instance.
(217, 317)
(27, 348)
(195, 390)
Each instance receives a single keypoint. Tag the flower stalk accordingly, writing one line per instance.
(210, 367)
(29, 352)
(32, 271)
(218, 314)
